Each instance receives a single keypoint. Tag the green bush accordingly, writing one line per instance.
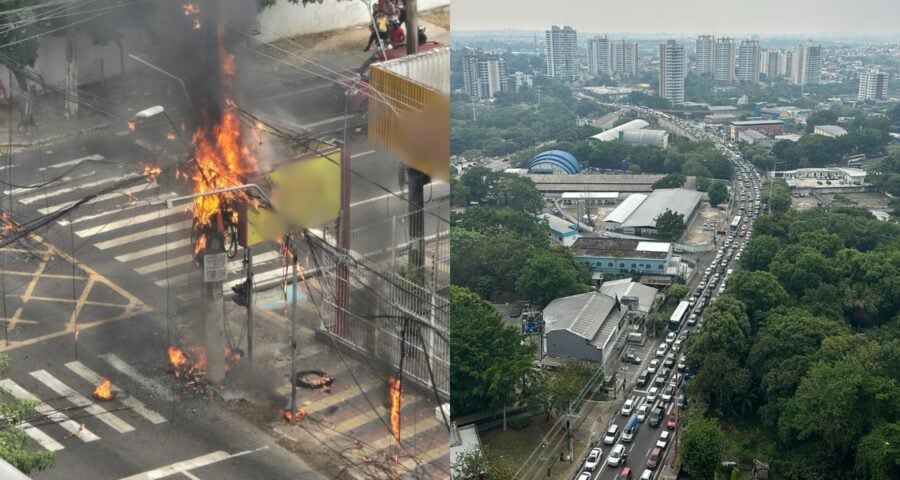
(520, 423)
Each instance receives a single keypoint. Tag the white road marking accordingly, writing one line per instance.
(153, 232)
(362, 154)
(130, 221)
(187, 465)
(79, 400)
(124, 193)
(147, 252)
(147, 382)
(72, 162)
(62, 191)
(115, 210)
(94, 378)
(76, 429)
(42, 438)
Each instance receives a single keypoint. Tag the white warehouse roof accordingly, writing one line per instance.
(679, 200)
(613, 133)
(588, 195)
(626, 208)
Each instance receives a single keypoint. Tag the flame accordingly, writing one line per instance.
(104, 390)
(183, 365)
(190, 9)
(152, 173)
(170, 136)
(200, 247)
(290, 418)
(9, 226)
(197, 24)
(232, 356)
(132, 126)
(396, 401)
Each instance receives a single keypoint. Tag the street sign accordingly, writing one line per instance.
(215, 267)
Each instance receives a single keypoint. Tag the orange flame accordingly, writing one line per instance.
(290, 418)
(152, 173)
(200, 247)
(170, 136)
(183, 366)
(104, 390)
(132, 126)
(190, 9)
(396, 402)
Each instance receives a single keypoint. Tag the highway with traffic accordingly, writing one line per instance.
(642, 437)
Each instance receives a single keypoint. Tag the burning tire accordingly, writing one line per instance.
(313, 379)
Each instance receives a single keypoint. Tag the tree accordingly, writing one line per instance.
(553, 392)
(759, 291)
(672, 180)
(677, 291)
(480, 465)
(703, 184)
(670, 225)
(878, 452)
(13, 441)
(481, 348)
(702, 447)
(548, 276)
(718, 193)
(760, 252)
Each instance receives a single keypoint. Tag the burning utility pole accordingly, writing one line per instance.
(215, 262)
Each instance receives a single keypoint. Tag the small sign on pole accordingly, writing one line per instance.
(215, 267)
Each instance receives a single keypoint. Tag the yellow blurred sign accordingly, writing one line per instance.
(410, 118)
(306, 193)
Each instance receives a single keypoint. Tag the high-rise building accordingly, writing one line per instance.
(518, 80)
(770, 63)
(748, 61)
(706, 45)
(806, 65)
(623, 58)
(724, 60)
(786, 63)
(561, 53)
(483, 74)
(873, 85)
(598, 56)
(671, 71)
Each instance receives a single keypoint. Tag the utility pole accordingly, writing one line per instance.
(342, 288)
(71, 71)
(293, 255)
(214, 259)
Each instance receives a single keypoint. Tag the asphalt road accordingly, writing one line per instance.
(132, 269)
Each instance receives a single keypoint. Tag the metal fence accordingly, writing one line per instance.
(391, 319)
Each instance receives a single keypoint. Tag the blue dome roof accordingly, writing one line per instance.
(564, 160)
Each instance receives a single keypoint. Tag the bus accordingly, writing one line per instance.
(855, 161)
(735, 223)
(678, 315)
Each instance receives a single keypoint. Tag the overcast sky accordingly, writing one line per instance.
(763, 17)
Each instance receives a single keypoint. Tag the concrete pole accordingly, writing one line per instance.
(293, 331)
(249, 307)
(214, 313)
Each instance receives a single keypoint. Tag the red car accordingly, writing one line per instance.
(355, 88)
(743, 233)
(625, 474)
(654, 458)
(672, 423)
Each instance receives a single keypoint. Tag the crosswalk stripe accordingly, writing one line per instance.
(131, 205)
(147, 252)
(114, 361)
(69, 163)
(233, 267)
(153, 232)
(181, 467)
(170, 263)
(40, 437)
(418, 426)
(134, 404)
(130, 221)
(63, 191)
(369, 416)
(79, 400)
(439, 451)
(100, 198)
(60, 418)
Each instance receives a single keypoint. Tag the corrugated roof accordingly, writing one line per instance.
(558, 224)
(583, 195)
(626, 288)
(645, 137)
(613, 133)
(626, 208)
(678, 200)
(581, 314)
(750, 123)
(610, 247)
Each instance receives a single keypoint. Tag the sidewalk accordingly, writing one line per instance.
(346, 431)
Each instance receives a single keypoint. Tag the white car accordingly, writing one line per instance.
(652, 395)
(642, 412)
(593, 459)
(677, 345)
(611, 434)
(661, 350)
(654, 366)
(668, 393)
(670, 337)
(663, 440)
(616, 456)
(584, 476)
(628, 408)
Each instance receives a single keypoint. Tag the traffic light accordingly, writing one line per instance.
(241, 294)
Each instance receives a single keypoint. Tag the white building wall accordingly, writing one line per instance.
(285, 19)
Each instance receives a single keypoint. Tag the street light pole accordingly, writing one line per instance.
(170, 75)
